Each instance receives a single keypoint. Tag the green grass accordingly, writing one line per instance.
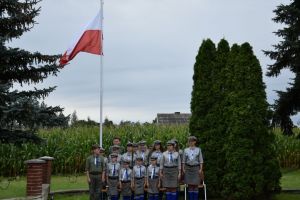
(290, 179)
(287, 197)
(17, 188)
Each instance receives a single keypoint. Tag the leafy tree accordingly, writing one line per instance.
(19, 110)
(108, 123)
(287, 55)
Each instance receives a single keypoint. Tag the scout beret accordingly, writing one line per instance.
(153, 157)
(95, 146)
(113, 155)
(192, 138)
(157, 142)
(142, 142)
(171, 142)
(129, 144)
(139, 158)
(116, 146)
(126, 161)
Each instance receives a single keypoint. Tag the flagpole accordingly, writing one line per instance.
(101, 77)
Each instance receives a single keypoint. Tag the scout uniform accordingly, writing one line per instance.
(131, 156)
(94, 167)
(125, 178)
(170, 165)
(153, 180)
(113, 172)
(139, 174)
(192, 159)
(143, 152)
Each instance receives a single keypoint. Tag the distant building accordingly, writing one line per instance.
(173, 118)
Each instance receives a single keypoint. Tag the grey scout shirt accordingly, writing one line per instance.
(125, 174)
(139, 171)
(153, 172)
(170, 159)
(113, 169)
(192, 156)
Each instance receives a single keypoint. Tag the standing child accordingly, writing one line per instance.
(125, 180)
(95, 172)
(152, 179)
(170, 169)
(112, 177)
(192, 167)
(139, 174)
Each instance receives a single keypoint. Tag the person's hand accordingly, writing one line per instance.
(158, 185)
(103, 179)
(88, 180)
(132, 187)
(179, 175)
(120, 186)
(161, 174)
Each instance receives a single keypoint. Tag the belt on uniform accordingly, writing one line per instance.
(95, 173)
(125, 181)
(155, 177)
(192, 165)
(139, 178)
(170, 166)
(113, 177)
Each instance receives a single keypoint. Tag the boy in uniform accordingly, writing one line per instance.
(139, 174)
(125, 180)
(112, 178)
(129, 155)
(152, 179)
(95, 172)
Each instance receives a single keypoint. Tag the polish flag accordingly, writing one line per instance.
(89, 40)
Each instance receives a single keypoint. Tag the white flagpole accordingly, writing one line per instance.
(101, 77)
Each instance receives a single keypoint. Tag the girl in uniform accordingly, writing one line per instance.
(157, 151)
(139, 174)
(192, 167)
(112, 177)
(152, 179)
(170, 169)
(125, 180)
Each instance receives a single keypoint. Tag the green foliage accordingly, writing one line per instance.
(287, 55)
(71, 146)
(230, 117)
(20, 112)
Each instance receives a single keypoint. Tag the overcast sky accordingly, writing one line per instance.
(150, 48)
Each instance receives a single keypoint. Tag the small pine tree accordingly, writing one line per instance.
(17, 108)
(287, 55)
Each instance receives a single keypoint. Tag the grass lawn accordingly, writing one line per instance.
(290, 180)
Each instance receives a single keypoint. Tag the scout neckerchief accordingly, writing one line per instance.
(170, 157)
(114, 170)
(153, 172)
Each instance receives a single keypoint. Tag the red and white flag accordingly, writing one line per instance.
(89, 40)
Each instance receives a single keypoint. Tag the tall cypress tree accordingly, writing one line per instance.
(287, 55)
(251, 170)
(203, 100)
(19, 110)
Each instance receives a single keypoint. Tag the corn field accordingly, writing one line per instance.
(71, 146)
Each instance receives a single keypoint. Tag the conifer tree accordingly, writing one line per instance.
(287, 55)
(202, 121)
(251, 170)
(19, 110)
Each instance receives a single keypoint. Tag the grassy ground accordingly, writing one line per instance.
(17, 188)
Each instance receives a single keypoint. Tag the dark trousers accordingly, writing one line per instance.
(95, 187)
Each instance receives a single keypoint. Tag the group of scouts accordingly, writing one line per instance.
(140, 171)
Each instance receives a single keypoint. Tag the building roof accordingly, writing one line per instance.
(173, 118)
